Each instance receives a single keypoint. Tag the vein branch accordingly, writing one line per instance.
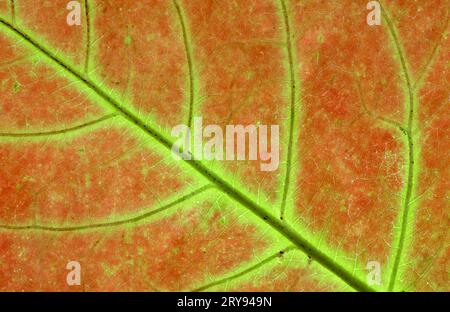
(187, 48)
(434, 54)
(372, 114)
(246, 271)
(88, 37)
(12, 6)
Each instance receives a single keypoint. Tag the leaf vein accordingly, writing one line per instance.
(410, 171)
(246, 271)
(236, 194)
(94, 226)
(189, 61)
(61, 131)
(292, 114)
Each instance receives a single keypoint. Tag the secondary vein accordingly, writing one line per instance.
(292, 109)
(189, 61)
(61, 131)
(410, 175)
(94, 226)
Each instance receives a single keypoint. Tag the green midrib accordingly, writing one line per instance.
(220, 182)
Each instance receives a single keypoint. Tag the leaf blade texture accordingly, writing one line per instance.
(85, 147)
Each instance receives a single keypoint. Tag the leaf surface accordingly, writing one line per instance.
(87, 172)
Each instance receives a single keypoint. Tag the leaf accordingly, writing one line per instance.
(88, 174)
